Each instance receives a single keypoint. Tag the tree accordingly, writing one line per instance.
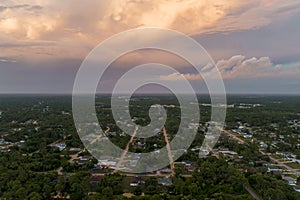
(108, 192)
(35, 196)
(137, 190)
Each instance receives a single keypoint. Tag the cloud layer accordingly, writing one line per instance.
(47, 40)
(240, 67)
(78, 26)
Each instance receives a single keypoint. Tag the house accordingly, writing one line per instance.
(4, 149)
(157, 151)
(108, 164)
(273, 169)
(65, 113)
(261, 163)
(281, 136)
(196, 148)
(164, 181)
(166, 170)
(187, 163)
(287, 155)
(123, 134)
(296, 161)
(135, 181)
(21, 143)
(96, 168)
(84, 159)
(3, 142)
(81, 162)
(133, 184)
(204, 153)
(140, 144)
(228, 153)
(75, 149)
(263, 145)
(290, 180)
(157, 131)
(297, 188)
(103, 139)
(60, 146)
(190, 168)
(112, 133)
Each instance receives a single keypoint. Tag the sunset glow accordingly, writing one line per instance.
(258, 37)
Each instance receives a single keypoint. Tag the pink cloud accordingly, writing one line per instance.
(240, 67)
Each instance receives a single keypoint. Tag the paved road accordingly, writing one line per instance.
(231, 135)
(98, 137)
(169, 151)
(251, 191)
(126, 149)
(167, 146)
(282, 164)
(75, 156)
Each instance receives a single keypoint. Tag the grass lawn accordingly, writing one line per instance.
(293, 165)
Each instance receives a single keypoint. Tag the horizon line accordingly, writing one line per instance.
(146, 93)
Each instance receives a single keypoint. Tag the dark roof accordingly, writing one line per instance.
(297, 187)
(164, 181)
(288, 178)
(134, 180)
(273, 167)
(187, 162)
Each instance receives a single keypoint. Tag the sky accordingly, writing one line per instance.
(254, 44)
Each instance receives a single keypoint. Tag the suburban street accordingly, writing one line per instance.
(126, 150)
(282, 164)
(169, 151)
(276, 161)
